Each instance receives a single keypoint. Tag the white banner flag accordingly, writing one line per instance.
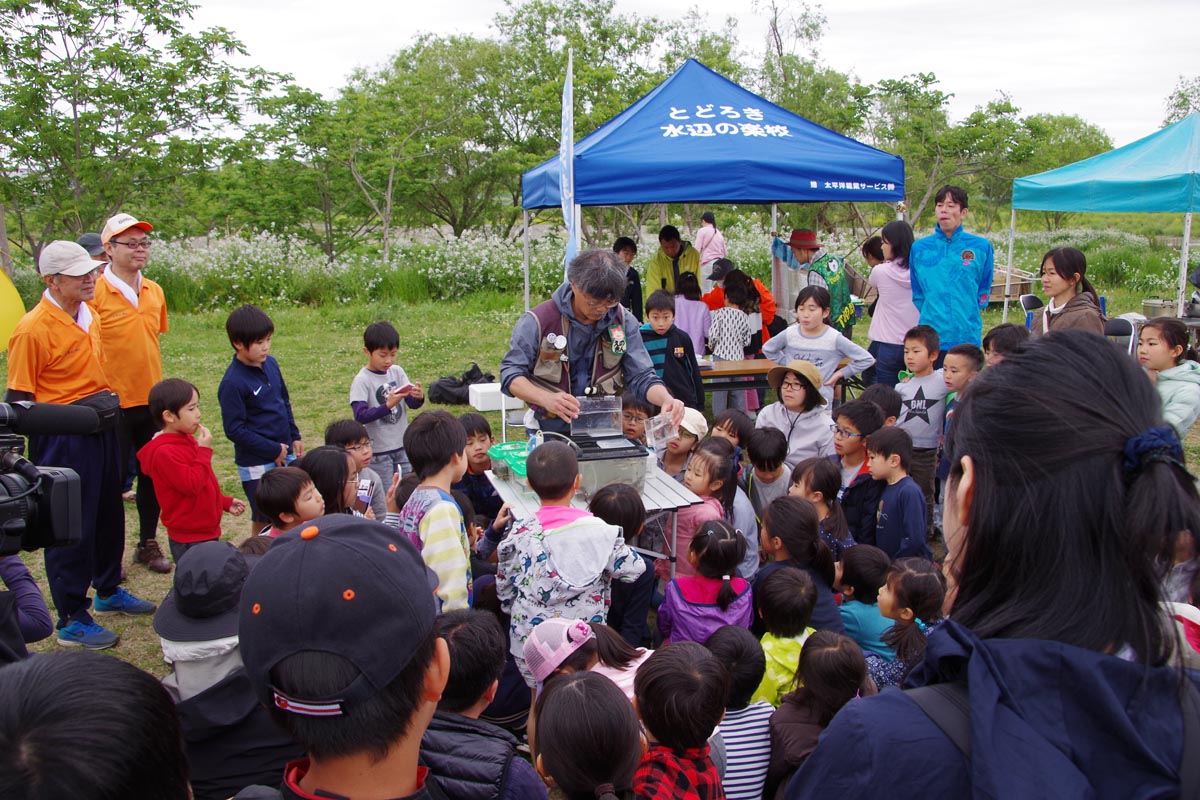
(566, 175)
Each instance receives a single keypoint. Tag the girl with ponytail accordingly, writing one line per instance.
(695, 606)
(819, 480)
(1071, 302)
(912, 597)
(791, 535)
(588, 739)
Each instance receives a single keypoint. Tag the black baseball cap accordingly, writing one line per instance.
(720, 268)
(203, 603)
(91, 242)
(342, 585)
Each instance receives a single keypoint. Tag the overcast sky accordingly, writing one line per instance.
(1112, 62)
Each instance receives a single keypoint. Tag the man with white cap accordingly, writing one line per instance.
(133, 314)
(54, 356)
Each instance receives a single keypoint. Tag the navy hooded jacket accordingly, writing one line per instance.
(1048, 720)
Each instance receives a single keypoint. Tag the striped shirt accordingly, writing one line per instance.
(433, 522)
(747, 735)
(730, 334)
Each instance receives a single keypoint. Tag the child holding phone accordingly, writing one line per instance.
(380, 394)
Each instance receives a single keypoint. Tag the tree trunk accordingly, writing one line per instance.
(6, 262)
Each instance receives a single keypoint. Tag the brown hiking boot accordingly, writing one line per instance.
(151, 555)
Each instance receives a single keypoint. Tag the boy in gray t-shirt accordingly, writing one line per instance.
(768, 477)
(923, 408)
(379, 395)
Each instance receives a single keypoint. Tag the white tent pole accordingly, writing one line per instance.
(1012, 232)
(578, 227)
(1183, 262)
(525, 236)
(774, 216)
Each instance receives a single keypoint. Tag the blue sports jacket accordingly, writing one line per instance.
(951, 281)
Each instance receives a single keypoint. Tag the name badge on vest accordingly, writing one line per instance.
(616, 336)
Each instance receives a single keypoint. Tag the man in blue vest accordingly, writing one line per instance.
(952, 274)
(581, 342)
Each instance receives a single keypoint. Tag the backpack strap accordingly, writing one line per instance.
(1189, 768)
(947, 706)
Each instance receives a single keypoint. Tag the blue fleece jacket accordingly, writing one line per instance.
(1047, 720)
(951, 281)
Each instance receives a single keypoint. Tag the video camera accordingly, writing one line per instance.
(39, 506)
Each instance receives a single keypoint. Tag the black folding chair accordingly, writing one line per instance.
(1121, 331)
(1030, 303)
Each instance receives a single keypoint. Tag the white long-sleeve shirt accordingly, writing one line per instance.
(825, 351)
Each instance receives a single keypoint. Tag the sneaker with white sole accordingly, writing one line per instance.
(122, 602)
(86, 634)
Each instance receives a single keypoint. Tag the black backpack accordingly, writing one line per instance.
(455, 391)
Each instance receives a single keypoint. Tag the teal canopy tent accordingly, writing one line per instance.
(1158, 173)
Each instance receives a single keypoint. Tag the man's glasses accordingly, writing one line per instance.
(634, 418)
(845, 434)
(597, 305)
(138, 244)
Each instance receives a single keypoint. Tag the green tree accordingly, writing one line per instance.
(1184, 99)
(909, 117)
(792, 75)
(617, 60)
(1056, 140)
(716, 47)
(987, 148)
(102, 98)
(293, 179)
(465, 160)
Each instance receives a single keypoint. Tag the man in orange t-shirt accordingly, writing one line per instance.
(133, 313)
(55, 356)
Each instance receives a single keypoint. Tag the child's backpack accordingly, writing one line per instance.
(455, 391)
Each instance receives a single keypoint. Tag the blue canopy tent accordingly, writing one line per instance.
(700, 137)
(1158, 173)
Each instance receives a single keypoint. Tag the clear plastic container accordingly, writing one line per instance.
(659, 431)
(597, 474)
(598, 416)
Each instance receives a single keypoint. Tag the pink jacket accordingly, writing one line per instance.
(688, 521)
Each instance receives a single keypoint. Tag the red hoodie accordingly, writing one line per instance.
(186, 487)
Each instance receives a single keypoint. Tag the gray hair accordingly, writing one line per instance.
(599, 273)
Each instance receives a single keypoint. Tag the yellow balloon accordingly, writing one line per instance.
(11, 309)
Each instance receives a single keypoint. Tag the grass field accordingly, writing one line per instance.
(319, 352)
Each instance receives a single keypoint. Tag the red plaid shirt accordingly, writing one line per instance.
(665, 774)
